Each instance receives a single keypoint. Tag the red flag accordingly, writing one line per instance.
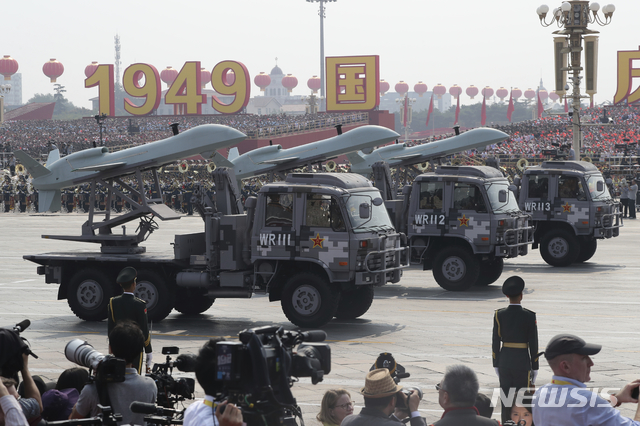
(540, 107)
(510, 108)
(566, 105)
(483, 114)
(457, 111)
(430, 110)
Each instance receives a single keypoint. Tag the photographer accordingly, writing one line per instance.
(381, 394)
(31, 403)
(125, 341)
(10, 411)
(201, 413)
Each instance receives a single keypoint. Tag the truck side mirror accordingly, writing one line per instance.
(513, 188)
(364, 211)
(600, 186)
(378, 201)
(502, 196)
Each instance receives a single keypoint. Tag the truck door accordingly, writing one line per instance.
(323, 233)
(277, 236)
(429, 218)
(536, 196)
(571, 204)
(469, 216)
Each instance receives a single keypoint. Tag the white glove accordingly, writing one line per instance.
(149, 359)
(534, 375)
(497, 371)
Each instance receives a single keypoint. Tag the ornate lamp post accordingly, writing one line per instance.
(4, 90)
(573, 17)
(406, 113)
(321, 14)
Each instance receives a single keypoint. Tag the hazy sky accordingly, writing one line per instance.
(485, 43)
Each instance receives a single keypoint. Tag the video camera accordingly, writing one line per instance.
(170, 390)
(397, 372)
(256, 372)
(12, 346)
(103, 368)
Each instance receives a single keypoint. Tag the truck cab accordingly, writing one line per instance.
(571, 208)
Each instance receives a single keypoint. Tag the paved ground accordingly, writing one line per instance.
(425, 327)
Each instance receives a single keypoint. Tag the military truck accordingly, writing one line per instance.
(318, 243)
(461, 222)
(571, 209)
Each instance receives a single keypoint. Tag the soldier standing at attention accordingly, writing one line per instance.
(516, 362)
(128, 307)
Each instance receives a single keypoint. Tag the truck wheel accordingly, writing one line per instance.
(456, 269)
(587, 250)
(88, 294)
(152, 288)
(490, 271)
(559, 248)
(355, 303)
(190, 302)
(308, 300)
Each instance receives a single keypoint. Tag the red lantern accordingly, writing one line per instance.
(8, 67)
(90, 69)
(554, 96)
(487, 92)
(384, 87)
(471, 91)
(262, 80)
(314, 83)
(529, 93)
(402, 88)
(168, 75)
(455, 91)
(543, 94)
(439, 90)
(53, 69)
(289, 82)
(205, 77)
(230, 77)
(516, 93)
(502, 93)
(420, 88)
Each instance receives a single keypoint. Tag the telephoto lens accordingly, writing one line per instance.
(82, 353)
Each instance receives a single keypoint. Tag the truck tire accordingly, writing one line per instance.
(192, 302)
(355, 303)
(559, 248)
(587, 250)
(308, 300)
(152, 288)
(456, 269)
(88, 294)
(490, 271)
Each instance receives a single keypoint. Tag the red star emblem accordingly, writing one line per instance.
(464, 220)
(566, 208)
(317, 241)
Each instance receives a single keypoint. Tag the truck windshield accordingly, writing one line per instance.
(379, 219)
(592, 184)
(493, 192)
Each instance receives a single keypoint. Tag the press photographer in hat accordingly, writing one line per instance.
(566, 400)
(127, 307)
(515, 343)
(381, 394)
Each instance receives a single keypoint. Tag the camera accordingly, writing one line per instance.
(170, 390)
(12, 347)
(397, 372)
(104, 368)
(257, 372)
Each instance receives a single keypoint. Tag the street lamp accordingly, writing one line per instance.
(4, 90)
(406, 113)
(573, 17)
(321, 13)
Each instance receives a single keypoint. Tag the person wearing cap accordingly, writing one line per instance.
(566, 400)
(127, 307)
(515, 343)
(381, 395)
(457, 394)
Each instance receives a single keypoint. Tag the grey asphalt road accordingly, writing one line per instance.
(423, 326)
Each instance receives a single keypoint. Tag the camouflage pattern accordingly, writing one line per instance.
(466, 211)
(587, 214)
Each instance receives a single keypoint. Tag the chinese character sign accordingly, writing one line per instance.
(353, 83)
(626, 74)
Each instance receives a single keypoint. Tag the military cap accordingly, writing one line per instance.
(569, 344)
(127, 275)
(513, 286)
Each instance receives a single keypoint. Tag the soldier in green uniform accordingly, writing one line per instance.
(128, 307)
(516, 361)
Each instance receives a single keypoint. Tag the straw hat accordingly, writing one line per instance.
(379, 384)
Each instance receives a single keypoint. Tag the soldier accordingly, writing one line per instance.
(129, 307)
(7, 193)
(516, 362)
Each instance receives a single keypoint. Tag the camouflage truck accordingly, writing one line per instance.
(461, 222)
(571, 209)
(318, 243)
